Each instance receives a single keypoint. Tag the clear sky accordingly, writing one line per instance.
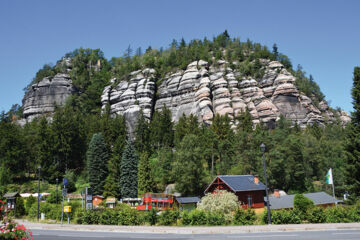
(322, 36)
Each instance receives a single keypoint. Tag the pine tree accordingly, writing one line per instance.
(142, 134)
(129, 167)
(352, 143)
(145, 179)
(97, 158)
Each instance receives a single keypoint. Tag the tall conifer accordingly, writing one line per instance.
(129, 166)
(97, 157)
(352, 144)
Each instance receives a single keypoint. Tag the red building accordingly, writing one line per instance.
(249, 190)
(159, 201)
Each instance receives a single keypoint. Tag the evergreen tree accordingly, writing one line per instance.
(352, 143)
(145, 178)
(161, 129)
(129, 167)
(188, 167)
(142, 134)
(97, 158)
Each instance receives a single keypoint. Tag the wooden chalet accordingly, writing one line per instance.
(249, 190)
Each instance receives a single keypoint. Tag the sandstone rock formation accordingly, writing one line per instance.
(204, 91)
(41, 98)
(128, 97)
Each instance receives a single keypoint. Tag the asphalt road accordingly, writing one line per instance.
(92, 235)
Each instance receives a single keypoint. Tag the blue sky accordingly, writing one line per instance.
(322, 36)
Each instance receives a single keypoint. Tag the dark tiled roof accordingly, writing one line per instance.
(184, 200)
(287, 201)
(11, 195)
(240, 183)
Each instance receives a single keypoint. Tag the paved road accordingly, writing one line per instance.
(306, 235)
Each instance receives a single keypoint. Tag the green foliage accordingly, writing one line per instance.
(316, 215)
(129, 172)
(282, 217)
(161, 129)
(20, 207)
(244, 217)
(352, 141)
(220, 202)
(188, 167)
(168, 217)
(151, 217)
(97, 157)
(145, 178)
(194, 218)
(338, 214)
(302, 204)
(52, 198)
(28, 203)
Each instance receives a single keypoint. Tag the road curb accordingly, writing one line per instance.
(194, 230)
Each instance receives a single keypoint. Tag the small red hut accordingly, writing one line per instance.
(249, 190)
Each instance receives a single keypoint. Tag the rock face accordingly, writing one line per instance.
(204, 91)
(128, 97)
(42, 97)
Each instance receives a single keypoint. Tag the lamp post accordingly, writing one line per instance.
(57, 183)
(262, 148)
(38, 209)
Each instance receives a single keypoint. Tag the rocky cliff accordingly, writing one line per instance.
(42, 97)
(204, 91)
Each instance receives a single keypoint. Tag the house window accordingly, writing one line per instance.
(250, 201)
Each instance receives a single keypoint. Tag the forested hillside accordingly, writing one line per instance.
(186, 152)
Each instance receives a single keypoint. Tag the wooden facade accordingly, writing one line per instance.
(247, 197)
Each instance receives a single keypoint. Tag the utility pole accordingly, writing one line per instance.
(38, 208)
(262, 148)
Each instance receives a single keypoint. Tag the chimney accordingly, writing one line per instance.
(256, 179)
(276, 193)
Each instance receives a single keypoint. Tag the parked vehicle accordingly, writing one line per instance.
(158, 201)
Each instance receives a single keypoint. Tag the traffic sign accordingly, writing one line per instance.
(64, 192)
(65, 181)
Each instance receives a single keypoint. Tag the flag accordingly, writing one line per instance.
(329, 177)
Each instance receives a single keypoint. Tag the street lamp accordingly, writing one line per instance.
(38, 209)
(262, 148)
(57, 183)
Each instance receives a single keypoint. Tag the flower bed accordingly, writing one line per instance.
(10, 229)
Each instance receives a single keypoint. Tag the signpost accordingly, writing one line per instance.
(88, 199)
(67, 209)
(64, 193)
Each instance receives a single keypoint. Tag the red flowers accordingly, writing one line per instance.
(10, 229)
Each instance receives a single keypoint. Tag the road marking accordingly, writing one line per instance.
(346, 233)
(77, 236)
(264, 236)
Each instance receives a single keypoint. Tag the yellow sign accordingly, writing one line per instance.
(67, 209)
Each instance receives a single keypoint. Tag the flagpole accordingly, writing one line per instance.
(333, 187)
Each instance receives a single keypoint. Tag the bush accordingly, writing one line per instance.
(151, 217)
(282, 217)
(316, 215)
(338, 214)
(28, 203)
(214, 219)
(244, 217)
(195, 217)
(220, 201)
(109, 217)
(302, 204)
(20, 208)
(51, 211)
(355, 212)
(52, 197)
(168, 217)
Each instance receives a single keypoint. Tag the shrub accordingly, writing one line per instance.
(302, 204)
(338, 214)
(130, 217)
(244, 217)
(28, 203)
(52, 197)
(168, 217)
(213, 219)
(355, 212)
(282, 217)
(109, 217)
(316, 215)
(151, 217)
(195, 217)
(221, 202)
(51, 211)
(20, 208)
